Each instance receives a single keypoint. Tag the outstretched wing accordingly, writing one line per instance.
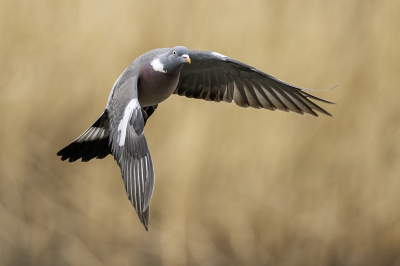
(129, 147)
(215, 77)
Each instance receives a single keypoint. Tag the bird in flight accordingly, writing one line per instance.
(150, 80)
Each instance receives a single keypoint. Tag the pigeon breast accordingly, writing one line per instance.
(155, 86)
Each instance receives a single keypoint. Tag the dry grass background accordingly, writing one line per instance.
(233, 186)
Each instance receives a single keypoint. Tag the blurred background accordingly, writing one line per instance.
(233, 186)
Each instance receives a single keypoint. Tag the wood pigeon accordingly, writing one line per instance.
(150, 80)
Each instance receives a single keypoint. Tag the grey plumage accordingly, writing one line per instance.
(151, 79)
(220, 78)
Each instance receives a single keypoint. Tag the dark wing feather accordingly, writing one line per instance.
(214, 77)
(129, 147)
(149, 111)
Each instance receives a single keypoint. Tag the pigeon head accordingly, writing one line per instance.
(172, 61)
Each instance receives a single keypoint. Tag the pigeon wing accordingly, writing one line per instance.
(215, 77)
(129, 146)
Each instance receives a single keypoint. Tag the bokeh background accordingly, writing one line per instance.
(233, 186)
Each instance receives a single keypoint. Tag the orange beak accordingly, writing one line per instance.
(187, 58)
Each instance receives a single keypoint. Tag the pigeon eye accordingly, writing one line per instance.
(174, 53)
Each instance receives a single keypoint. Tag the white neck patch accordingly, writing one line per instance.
(157, 65)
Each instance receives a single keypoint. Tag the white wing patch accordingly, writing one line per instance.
(218, 55)
(125, 119)
(157, 65)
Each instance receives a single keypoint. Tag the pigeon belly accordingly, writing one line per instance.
(155, 87)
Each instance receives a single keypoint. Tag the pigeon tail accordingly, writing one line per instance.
(94, 142)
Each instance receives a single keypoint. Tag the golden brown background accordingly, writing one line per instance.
(233, 186)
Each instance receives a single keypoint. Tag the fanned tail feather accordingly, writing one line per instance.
(93, 143)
